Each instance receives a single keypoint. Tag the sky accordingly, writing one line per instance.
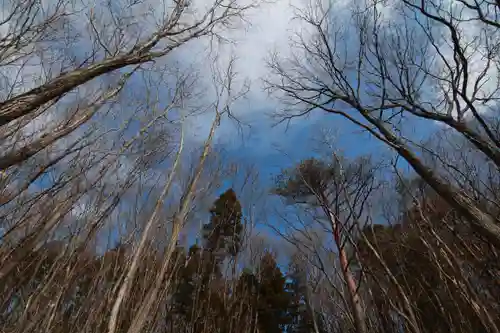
(270, 29)
(262, 144)
(274, 148)
(267, 147)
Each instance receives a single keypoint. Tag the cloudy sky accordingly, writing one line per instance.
(273, 148)
(272, 26)
(268, 29)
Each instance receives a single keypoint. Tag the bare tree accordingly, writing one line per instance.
(225, 98)
(82, 140)
(341, 192)
(378, 71)
(178, 26)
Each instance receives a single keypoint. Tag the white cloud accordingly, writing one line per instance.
(270, 29)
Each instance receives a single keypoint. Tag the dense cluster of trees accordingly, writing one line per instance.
(99, 187)
(428, 272)
(425, 270)
(202, 298)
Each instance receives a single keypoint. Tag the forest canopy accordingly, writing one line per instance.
(146, 184)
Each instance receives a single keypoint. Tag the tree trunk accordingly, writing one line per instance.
(355, 300)
(481, 221)
(25, 103)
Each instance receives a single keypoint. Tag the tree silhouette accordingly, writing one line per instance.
(273, 300)
(197, 297)
(439, 275)
(222, 234)
(304, 317)
(340, 190)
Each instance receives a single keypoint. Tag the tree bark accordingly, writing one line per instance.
(23, 104)
(482, 222)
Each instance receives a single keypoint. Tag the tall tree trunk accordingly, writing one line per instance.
(352, 289)
(178, 222)
(482, 222)
(126, 285)
(25, 103)
(61, 131)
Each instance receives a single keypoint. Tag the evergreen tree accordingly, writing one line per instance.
(274, 301)
(222, 234)
(244, 307)
(302, 321)
(197, 297)
(304, 318)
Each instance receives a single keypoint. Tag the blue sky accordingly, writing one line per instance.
(267, 148)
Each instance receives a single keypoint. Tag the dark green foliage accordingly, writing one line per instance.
(248, 282)
(222, 234)
(305, 181)
(274, 302)
(419, 251)
(197, 301)
(199, 280)
(317, 182)
(300, 311)
(244, 307)
(302, 314)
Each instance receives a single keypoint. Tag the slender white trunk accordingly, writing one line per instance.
(126, 284)
(178, 222)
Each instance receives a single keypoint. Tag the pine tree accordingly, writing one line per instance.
(301, 316)
(244, 308)
(222, 234)
(197, 292)
(273, 300)
(339, 189)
